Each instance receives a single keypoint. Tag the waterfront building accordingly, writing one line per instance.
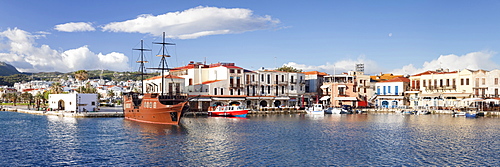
(228, 84)
(75, 102)
(442, 89)
(340, 89)
(390, 93)
(314, 81)
(365, 88)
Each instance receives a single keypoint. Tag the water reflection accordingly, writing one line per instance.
(154, 129)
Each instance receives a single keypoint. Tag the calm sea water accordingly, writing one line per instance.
(272, 140)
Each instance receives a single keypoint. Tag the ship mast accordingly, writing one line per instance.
(163, 61)
(142, 68)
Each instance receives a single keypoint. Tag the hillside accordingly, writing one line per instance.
(7, 69)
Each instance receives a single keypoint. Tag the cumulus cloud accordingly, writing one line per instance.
(473, 61)
(340, 66)
(18, 47)
(195, 22)
(75, 27)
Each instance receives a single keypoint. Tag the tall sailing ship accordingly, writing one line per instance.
(163, 105)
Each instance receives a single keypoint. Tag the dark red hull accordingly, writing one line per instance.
(151, 110)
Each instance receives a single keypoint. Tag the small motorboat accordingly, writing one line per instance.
(470, 115)
(230, 111)
(331, 110)
(315, 109)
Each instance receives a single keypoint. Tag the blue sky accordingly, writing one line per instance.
(403, 37)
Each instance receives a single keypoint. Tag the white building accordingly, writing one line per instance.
(73, 102)
(390, 93)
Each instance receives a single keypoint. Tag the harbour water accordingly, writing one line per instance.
(272, 140)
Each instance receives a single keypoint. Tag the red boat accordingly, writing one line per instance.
(230, 111)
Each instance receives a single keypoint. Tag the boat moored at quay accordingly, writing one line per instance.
(163, 107)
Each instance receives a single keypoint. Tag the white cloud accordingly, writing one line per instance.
(74, 27)
(19, 49)
(473, 61)
(371, 67)
(195, 22)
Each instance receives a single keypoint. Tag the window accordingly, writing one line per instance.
(483, 81)
(496, 81)
(268, 89)
(231, 91)
(221, 91)
(262, 77)
(389, 89)
(215, 91)
(291, 87)
(461, 81)
(93, 103)
(282, 89)
(396, 91)
(384, 90)
(467, 81)
(268, 78)
(283, 78)
(447, 82)
(496, 92)
(423, 83)
(231, 70)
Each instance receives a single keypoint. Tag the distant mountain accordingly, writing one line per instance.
(7, 69)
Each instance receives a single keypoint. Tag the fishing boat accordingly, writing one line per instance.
(315, 109)
(163, 105)
(229, 111)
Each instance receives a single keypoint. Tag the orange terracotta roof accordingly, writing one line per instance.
(209, 82)
(398, 79)
(384, 77)
(434, 72)
(165, 76)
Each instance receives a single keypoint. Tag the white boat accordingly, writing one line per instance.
(333, 110)
(315, 109)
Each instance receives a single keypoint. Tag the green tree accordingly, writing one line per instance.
(88, 88)
(39, 99)
(111, 94)
(13, 97)
(288, 69)
(56, 88)
(26, 97)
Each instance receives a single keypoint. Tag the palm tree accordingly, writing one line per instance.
(111, 93)
(81, 75)
(56, 88)
(38, 99)
(88, 88)
(26, 97)
(13, 97)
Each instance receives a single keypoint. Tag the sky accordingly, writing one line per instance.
(388, 36)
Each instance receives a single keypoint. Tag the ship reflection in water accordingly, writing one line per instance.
(264, 140)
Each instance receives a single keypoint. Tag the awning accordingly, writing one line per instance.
(346, 98)
(492, 100)
(456, 94)
(473, 99)
(200, 99)
(324, 86)
(390, 97)
(227, 99)
(341, 86)
(282, 98)
(324, 98)
(260, 98)
(431, 95)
